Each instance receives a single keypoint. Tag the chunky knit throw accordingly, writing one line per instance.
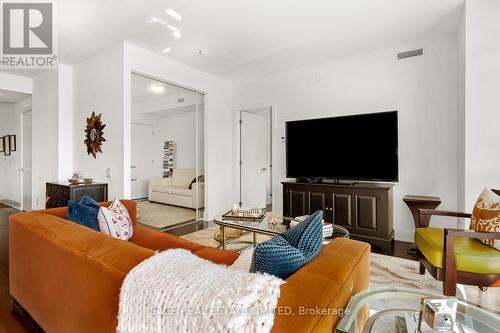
(176, 291)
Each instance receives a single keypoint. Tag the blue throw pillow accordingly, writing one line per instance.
(84, 212)
(286, 253)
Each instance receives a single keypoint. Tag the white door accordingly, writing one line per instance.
(142, 159)
(253, 159)
(26, 202)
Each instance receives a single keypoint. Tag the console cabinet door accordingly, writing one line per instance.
(342, 208)
(297, 202)
(369, 215)
(319, 199)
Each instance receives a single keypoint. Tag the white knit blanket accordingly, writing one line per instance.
(176, 291)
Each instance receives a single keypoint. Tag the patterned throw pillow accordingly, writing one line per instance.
(286, 253)
(115, 221)
(486, 216)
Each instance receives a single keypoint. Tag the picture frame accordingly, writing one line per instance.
(2, 144)
(13, 142)
(6, 145)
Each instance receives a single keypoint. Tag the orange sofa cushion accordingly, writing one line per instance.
(160, 241)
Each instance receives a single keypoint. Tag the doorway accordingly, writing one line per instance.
(26, 158)
(255, 158)
(14, 108)
(167, 152)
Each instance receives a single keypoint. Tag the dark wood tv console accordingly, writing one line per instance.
(365, 209)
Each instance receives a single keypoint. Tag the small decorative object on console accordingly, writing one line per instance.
(437, 315)
(75, 181)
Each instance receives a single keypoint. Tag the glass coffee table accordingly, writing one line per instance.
(269, 225)
(394, 309)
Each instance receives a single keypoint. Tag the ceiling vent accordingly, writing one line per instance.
(412, 53)
(180, 100)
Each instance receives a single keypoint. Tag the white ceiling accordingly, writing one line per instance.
(8, 96)
(141, 90)
(247, 38)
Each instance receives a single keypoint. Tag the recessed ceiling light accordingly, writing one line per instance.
(172, 13)
(168, 49)
(157, 20)
(156, 88)
(203, 53)
(176, 33)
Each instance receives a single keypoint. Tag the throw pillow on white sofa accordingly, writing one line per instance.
(115, 221)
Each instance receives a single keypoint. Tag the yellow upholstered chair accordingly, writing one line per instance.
(457, 256)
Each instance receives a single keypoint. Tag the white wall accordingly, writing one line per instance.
(218, 124)
(179, 128)
(9, 165)
(461, 49)
(10, 123)
(482, 111)
(424, 90)
(164, 104)
(45, 135)
(65, 122)
(52, 106)
(15, 83)
(98, 86)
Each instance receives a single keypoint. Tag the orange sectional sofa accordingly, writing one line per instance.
(68, 277)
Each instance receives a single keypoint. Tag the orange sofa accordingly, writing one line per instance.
(68, 277)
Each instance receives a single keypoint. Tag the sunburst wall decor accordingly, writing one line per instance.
(94, 134)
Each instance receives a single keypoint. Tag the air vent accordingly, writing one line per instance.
(180, 100)
(412, 53)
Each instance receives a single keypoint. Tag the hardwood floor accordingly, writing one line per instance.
(12, 322)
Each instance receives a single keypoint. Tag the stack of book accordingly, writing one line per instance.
(327, 230)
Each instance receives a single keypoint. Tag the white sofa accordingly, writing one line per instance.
(175, 189)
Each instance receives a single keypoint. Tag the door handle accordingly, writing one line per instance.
(133, 179)
(133, 166)
(263, 169)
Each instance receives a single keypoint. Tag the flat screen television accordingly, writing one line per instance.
(357, 147)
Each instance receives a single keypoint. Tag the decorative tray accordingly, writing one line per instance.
(250, 214)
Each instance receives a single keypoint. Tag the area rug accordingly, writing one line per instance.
(385, 271)
(162, 217)
(206, 237)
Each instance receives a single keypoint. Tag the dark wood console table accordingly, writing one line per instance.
(59, 194)
(364, 209)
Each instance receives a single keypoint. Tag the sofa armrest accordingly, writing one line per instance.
(201, 194)
(157, 181)
(54, 259)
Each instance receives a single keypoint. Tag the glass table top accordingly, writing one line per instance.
(270, 224)
(394, 309)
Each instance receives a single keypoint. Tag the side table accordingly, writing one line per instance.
(416, 202)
